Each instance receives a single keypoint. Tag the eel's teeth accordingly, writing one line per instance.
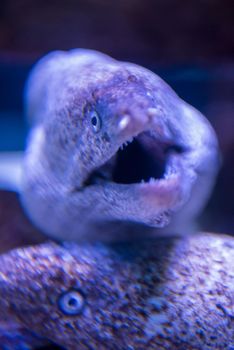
(126, 143)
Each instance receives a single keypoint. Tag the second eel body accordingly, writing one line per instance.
(162, 294)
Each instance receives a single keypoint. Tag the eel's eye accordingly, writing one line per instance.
(71, 302)
(95, 121)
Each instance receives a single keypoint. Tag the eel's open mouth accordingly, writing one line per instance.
(142, 159)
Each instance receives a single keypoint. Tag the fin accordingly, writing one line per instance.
(11, 170)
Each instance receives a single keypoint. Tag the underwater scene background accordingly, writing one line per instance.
(189, 44)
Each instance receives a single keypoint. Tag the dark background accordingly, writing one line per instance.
(165, 31)
(189, 43)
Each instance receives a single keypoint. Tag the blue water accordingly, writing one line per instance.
(13, 127)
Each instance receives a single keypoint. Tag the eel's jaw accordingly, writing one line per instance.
(140, 159)
(146, 187)
(138, 151)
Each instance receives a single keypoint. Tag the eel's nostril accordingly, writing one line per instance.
(124, 122)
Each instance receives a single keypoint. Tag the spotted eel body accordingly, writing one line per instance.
(161, 294)
(113, 151)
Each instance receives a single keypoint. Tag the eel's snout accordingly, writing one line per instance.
(130, 124)
(137, 119)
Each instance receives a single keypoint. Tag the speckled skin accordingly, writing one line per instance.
(63, 91)
(161, 294)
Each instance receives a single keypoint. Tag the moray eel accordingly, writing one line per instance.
(113, 152)
(163, 294)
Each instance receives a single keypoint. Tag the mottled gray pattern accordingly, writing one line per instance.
(160, 294)
(70, 187)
